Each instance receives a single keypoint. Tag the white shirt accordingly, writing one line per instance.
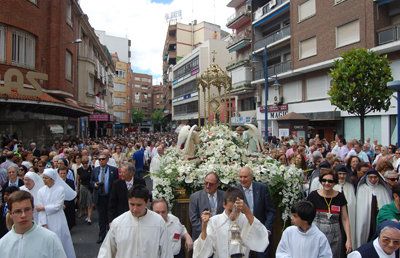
(175, 233)
(134, 237)
(254, 237)
(378, 249)
(129, 184)
(38, 242)
(249, 196)
(297, 244)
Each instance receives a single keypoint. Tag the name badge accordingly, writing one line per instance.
(335, 208)
(177, 236)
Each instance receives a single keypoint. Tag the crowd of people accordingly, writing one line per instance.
(351, 199)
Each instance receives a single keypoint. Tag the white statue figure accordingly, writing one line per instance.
(192, 140)
(182, 136)
(254, 139)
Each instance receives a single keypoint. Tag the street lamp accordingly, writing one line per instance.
(266, 85)
(395, 85)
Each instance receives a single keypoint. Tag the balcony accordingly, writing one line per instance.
(270, 7)
(241, 17)
(273, 70)
(239, 41)
(389, 35)
(237, 63)
(283, 33)
(235, 3)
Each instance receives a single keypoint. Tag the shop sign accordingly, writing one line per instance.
(276, 115)
(298, 127)
(275, 108)
(241, 120)
(98, 117)
(14, 82)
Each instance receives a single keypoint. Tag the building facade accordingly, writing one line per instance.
(240, 68)
(39, 70)
(141, 94)
(95, 78)
(301, 45)
(187, 104)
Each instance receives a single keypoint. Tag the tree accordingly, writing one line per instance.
(359, 84)
(137, 116)
(158, 117)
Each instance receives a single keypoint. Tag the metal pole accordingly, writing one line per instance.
(265, 66)
(398, 119)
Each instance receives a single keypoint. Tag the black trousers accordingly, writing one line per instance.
(102, 209)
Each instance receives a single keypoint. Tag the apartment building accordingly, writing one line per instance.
(39, 75)
(186, 102)
(141, 95)
(243, 92)
(95, 77)
(301, 46)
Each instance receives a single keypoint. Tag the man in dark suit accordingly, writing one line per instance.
(259, 201)
(102, 180)
(210, 198)
(118, 203)
(13, 180)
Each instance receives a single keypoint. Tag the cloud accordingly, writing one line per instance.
(143, 21)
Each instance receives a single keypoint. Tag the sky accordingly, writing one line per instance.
(144, 23)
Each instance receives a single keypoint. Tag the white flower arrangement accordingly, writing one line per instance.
(222, 152)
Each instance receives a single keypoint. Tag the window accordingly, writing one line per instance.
(190, 68)
(137, 97)
(23, 49)
(68, 17)
(2, 44)
(120, 73)
(348, 33)
(120, 115)
(248, 104)
(91, 84)
(306, 10)
(68, 65)
(119, 87)
(119, 101)
(308, 48)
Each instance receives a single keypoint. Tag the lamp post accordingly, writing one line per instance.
(395, 85)
(266, 86)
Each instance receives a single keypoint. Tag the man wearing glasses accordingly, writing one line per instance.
(27, 239)
(385, 246)
(102, 179)
(210, 198)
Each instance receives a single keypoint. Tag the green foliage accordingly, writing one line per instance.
(137, 116)
(359, 82)
(157, 116)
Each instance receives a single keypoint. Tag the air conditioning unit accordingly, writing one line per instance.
(272, 3)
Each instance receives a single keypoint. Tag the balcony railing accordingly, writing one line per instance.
(236, 63)
(389, 35)
(273, 69)
(244, 10)
(269, 7)
(273, 37)
(246, 34)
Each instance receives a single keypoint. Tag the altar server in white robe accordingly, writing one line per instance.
(26, 239)
(50, 206)
(137, 233)
(303, 239)
(233, 233)
(346, 187)
(32, 183)
(371, 196)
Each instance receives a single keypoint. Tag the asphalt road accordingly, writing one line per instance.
(84, 237)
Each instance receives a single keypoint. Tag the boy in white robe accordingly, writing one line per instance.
(303, 239)
(217, 236)
(137, 233)
(26, 239)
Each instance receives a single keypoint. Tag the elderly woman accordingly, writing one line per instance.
(32, 183)
(50, 205)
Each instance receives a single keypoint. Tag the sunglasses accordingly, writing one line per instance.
(393, 179)
(331, 181)
(102, 158)
(85, 162)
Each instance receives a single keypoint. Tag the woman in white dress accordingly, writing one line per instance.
(50, 206)
(32, 183)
